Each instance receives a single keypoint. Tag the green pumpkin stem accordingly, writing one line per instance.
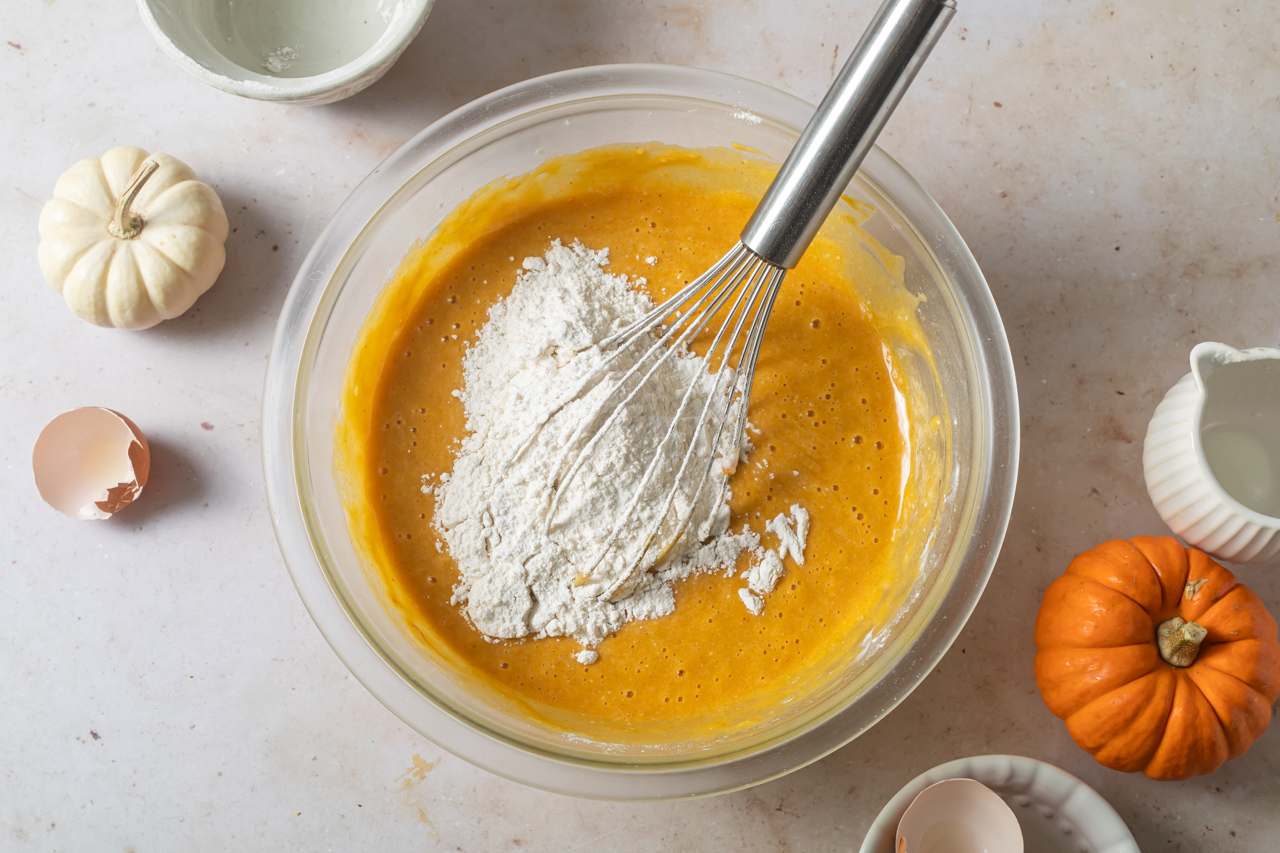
(1179, 641)
(126, 224)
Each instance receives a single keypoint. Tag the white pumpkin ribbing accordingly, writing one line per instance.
(131, 282)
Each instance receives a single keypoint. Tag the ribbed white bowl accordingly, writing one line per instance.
(1057, 812)
(182, 30)
(1183, 489)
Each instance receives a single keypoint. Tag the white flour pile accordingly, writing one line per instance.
(518, 579)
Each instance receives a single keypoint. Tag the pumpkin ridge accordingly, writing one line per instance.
(208, 248)
(84, 288)
(83, 246)
(1169, 561)
(124, 283)
(92, 222)
(1238, 615)
(1120, 566)
(172, 173)
(1192, 742)
(96, 198)
(159, 200)
(1254, 662)
(1070, 678)
(1061, 623)
(1243, 712)
(144, 254)
(1121, 729)
(177, 205)
(1207, 584)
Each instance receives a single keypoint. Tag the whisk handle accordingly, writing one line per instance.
(842, 131)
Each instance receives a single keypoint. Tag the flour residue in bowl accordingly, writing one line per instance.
(280, 59)
(520, 576)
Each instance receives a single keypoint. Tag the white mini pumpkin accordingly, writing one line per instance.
(131, 239)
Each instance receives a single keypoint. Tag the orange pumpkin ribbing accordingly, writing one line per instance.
(1099, 668)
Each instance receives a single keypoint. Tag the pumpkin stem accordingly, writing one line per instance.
(1179, 641)
(126, 224)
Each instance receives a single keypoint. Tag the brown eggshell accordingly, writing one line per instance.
(90, 463)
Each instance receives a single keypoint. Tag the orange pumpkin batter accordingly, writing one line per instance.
(826, 403)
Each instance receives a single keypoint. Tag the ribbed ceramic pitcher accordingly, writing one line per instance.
(1212, 454)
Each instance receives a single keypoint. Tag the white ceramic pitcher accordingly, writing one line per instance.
(1212, 454)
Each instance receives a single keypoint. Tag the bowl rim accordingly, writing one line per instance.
(263, 87)
(995, 387)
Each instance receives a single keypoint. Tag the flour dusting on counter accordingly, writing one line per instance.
(519, 577)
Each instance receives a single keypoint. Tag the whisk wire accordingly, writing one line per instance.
(749, 274)
(758, 276)
(626, 334)
(717, 293)
(749, 355)
(754, 340)
(761, 273)
(748, 281)
(735, 258)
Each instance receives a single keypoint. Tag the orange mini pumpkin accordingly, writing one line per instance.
(1156, 658)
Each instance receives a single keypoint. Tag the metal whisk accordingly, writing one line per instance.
(742, 285)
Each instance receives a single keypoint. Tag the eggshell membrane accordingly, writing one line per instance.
(90, 463)
(958, 814)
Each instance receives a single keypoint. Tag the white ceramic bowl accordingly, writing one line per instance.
(1057, 812)
(1176, 461)
(296, 51)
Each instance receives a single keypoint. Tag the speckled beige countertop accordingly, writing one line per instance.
(1114, 166)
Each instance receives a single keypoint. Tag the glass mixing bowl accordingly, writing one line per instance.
(511, 132)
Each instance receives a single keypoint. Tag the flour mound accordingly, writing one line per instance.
(522, 577)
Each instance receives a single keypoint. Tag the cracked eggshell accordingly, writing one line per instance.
(958, 815)
(90, 463)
